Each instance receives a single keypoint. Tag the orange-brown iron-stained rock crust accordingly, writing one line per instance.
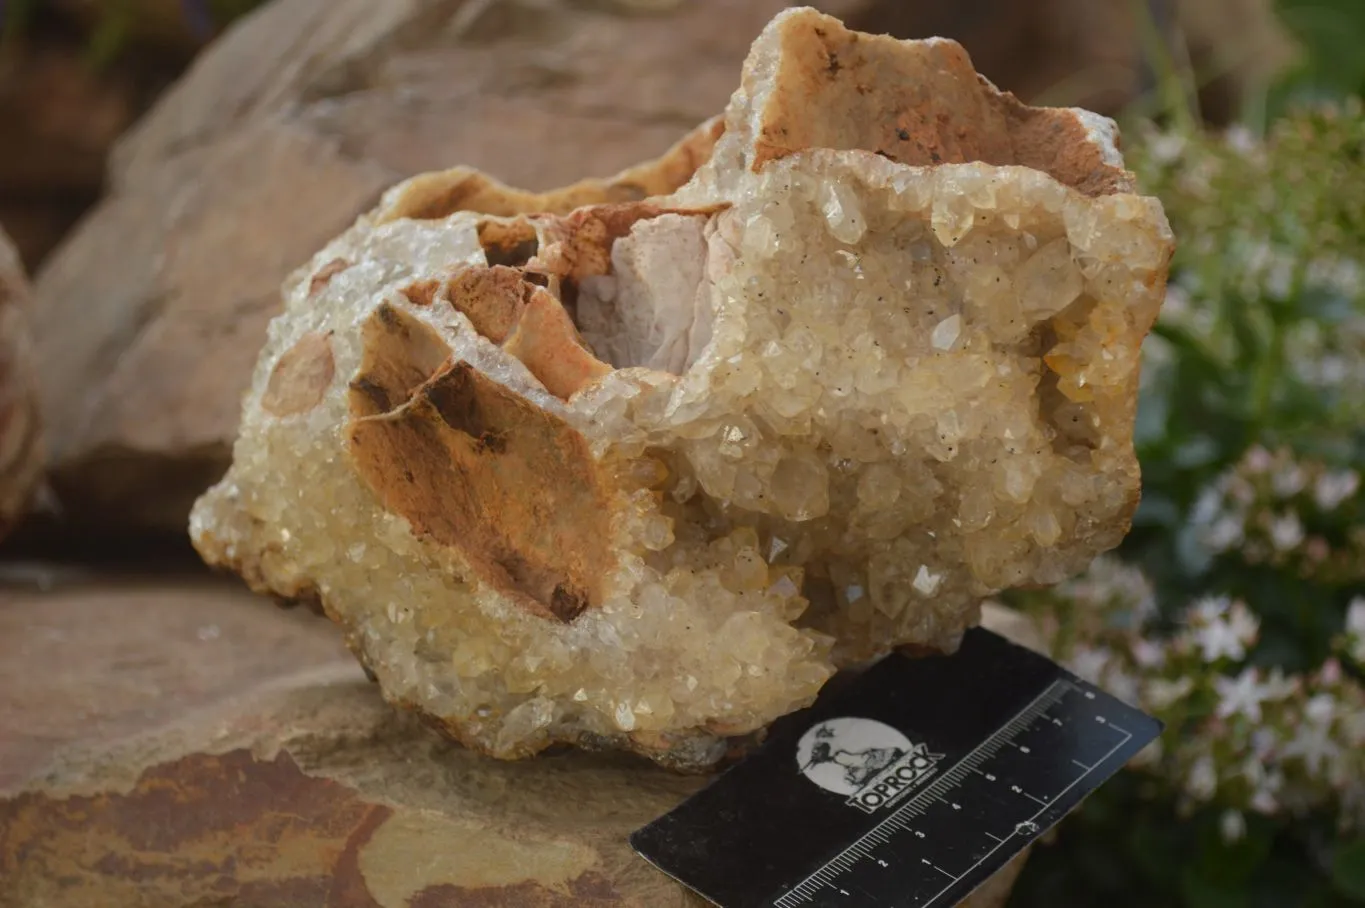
(301, 377)
(510, 487)
(579, 245)
(844, 90)
(422, 293)
(472, 466)
(438, 195)
(400, 353)
(546, 340)
(509, 308)
(493, 299)
(326, 273)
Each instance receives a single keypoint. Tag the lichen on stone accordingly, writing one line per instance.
(643, 469)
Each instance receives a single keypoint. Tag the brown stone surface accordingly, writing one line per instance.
(251, 765)
(291, 124)
(21, 452)
(86, 665)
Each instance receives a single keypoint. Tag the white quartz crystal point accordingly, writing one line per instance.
(640, 463)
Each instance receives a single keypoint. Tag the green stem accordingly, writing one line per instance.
(1270, 369)
(1178, 97)
(1267, 374)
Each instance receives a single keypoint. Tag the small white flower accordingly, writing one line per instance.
(1257, 460)
(1259, 255)
(1151, 654)
(1123, 684)
(1341, 771)
(1279, 279)
(1089, 663)
(1241, 139)
(1263, 801)
(1313, 745)
(1288, 481)
(1121, 587)
(1207, 507)
(1356, 627)
(1167, 147)
(1149, 757)
(1161, 693)
(1322, 708)
(1255, 772)
(1355, 617)
(1218, 640)
(1240, 490)
(1333, 369)
(1332, 488)
(1265, 784)
(1263, 742)
(1245, 625)
(1279, 687)
(1286, 532)
(1348, 276)
(1226, 533)
(1353, 728)
(1202, 782)
(1241, 696)
(1209, 608)
(1221, 638)
(1233, 826)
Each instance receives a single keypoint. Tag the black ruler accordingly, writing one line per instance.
(909, 788)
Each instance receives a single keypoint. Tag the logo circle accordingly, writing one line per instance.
(842, 755)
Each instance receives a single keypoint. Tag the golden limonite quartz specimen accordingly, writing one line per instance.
(639, 463)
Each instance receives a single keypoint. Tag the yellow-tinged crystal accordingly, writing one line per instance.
(645, 474)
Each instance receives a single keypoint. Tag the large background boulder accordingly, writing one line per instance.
(280, 135)
(152, 312)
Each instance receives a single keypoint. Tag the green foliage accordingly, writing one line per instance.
(1348, 868)
(1332, 33)
(1251, 433)
(1268, 286)
(1131, 849)
(229, 10)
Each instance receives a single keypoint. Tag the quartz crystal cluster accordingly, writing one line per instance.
(642, 462)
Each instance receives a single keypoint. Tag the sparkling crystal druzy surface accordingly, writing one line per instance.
(641, 462)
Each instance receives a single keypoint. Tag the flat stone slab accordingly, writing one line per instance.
(183, 743)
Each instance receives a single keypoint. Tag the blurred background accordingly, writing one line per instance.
(78, 73)
(164, 164)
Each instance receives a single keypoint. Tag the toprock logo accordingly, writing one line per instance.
(870, 762)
